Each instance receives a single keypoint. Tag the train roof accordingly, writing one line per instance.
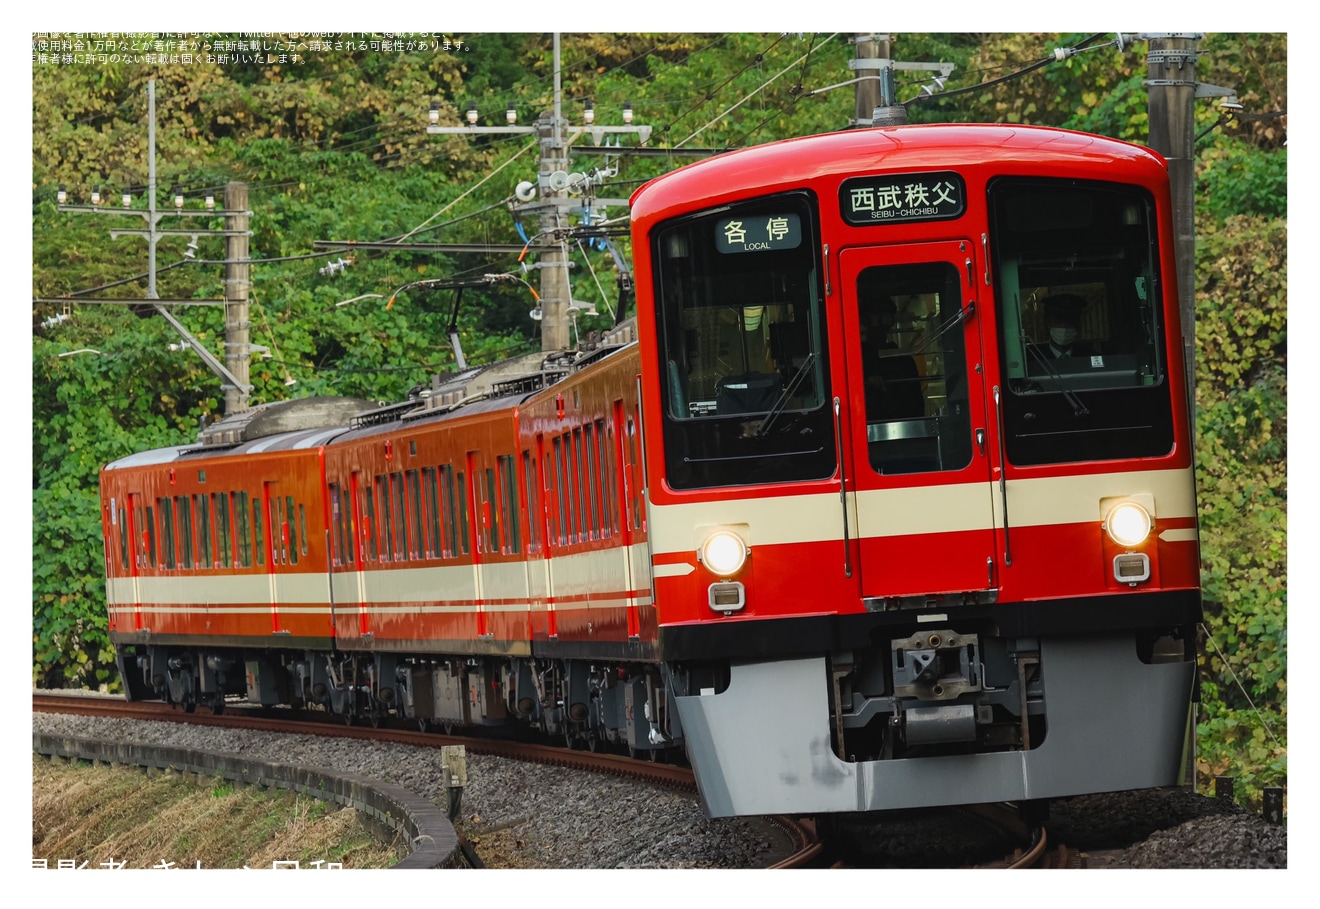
(306, 439)
(790, 162)
(309, 423)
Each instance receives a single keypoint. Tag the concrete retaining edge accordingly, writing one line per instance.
(432, 835)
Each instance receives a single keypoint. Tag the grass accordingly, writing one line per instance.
(101, 814)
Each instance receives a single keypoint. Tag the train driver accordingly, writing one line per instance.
(1063, 319)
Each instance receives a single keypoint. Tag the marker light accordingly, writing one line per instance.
(1128, 524)
(724, 553)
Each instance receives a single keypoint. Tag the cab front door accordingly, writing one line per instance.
(925, 510)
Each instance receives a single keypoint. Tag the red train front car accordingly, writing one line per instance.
(922, 509)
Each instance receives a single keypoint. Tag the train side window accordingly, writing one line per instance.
(533, 495)
(258, 533)
(561, 496)
(579, 487)
(400, 517)
(336, 526)
(275, 517)
(350, 539)
(549, 498)
(432, 505)
(610, 458)
(591, 465)
(604, 477)
(512, 507)
(604, 473)
(205, 530)
(139, 536)
(224, 540)
(634, 481)
(278, 532)
(385, 526)
(124, 548)
(489, 514)
(183, 517)
(290, 531)
(451, 510)
(244, 529)
(151, 536)
(463, 513)
(166, 532)
(415, 515)
(302, 529)
(371, 552)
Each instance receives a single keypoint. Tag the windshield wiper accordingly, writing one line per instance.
(1079, 409)
(957, 318)
(787, 393)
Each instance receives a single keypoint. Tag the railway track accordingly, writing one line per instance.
(804, 846)
(306, 723)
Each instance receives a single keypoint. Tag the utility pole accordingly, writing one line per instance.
(877, 102)
(1172, 93)
(153, 234)
(237, 284)
(870, 49)
(551, 197)
(556, 291)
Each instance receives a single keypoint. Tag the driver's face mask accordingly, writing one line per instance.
(1063, 336)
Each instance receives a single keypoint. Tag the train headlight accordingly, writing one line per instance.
(724, 553)
(1128, 524)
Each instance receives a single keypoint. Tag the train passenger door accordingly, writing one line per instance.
(480, 536)
(621, 511)
(919, 421)
(135, 553)
(364, 520)
(538, 538)
(273, 550)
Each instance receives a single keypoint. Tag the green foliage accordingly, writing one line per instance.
(1242, 416)
(1236, 179)
(336, 149)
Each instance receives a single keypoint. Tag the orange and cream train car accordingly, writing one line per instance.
(889, 503)
(476, 555)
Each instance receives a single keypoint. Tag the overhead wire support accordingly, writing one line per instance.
(552, 196)
(237, 388)
(1057, 55)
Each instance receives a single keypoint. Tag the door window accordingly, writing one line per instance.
(914, 367)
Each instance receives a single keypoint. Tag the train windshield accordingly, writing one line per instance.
(1081, 329)
(742, 346)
